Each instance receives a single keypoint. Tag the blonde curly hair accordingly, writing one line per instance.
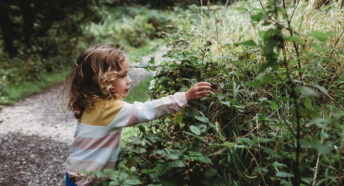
(92, 77)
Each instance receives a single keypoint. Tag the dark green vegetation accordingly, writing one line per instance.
(276, 115)
(34, 58)
(38, 43)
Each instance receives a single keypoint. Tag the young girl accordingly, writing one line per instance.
(98, 81)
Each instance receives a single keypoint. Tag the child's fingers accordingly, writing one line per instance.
(203, 83)
(204, 87)
(203, 92)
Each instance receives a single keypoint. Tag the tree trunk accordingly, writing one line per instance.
(28, 19)
(7, 30)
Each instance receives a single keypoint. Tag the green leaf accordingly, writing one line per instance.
(227, 103)
(242, 9)
(202, 119)
(132, 181)
(263, 99)
(99, 174)
(178, 163)
(257, 17)
(308, 103)
(271, 152)
(197, 156)
(260, 169)
(322, 89)
(123, 176)
(294, 39)
(322, 148)
(277, 164)
(195, 130)
(284, 174)
(321, 122)
(115, 182)
(321, 36)
(173, 156)
(307, 92)
(263, 140)
(245, 140)
(249, 43)
(273, 105)
(307, 180)
(286, 183)
(202, 127)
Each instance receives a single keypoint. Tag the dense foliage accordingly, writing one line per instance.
(39, 37)
(170, 3)
(63, 30)
(276, 115)
(26, 25)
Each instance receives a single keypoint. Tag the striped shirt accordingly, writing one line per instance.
(98, 134)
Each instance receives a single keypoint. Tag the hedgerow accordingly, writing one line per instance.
(275, 116)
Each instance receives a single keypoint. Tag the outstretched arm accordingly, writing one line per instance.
(138, 112)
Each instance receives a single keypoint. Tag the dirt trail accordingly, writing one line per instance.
(36, 134)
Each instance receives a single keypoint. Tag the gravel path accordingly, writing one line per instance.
(36, 135)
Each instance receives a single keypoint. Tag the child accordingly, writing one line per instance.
(98, 80)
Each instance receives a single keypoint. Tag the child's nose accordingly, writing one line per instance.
(128, 80)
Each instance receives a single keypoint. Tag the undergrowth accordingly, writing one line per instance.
(276, 113)
(138, 31)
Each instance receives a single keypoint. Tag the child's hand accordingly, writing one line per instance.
(198, 91)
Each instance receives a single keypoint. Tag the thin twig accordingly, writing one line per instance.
(260, 172)
(292, 14)
(316, 170)
(261, 4)
(294, 43)
(298, 129)
(337, 41)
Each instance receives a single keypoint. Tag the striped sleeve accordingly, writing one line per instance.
(139, 112)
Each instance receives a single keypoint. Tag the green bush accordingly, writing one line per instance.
(135, 29)
(275, 116)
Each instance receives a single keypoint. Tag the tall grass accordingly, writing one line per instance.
(226, 26)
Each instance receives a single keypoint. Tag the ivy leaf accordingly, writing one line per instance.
(195, 130)
(284, 174)
(202, 119)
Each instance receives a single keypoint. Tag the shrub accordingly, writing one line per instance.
(275, 117)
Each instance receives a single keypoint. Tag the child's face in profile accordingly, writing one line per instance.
(123, 81)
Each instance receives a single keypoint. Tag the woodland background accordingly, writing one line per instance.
(276, 116)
